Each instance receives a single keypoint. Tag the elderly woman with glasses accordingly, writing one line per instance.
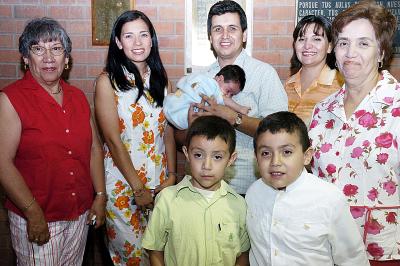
(51, 164)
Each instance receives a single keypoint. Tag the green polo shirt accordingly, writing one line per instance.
(192, 231)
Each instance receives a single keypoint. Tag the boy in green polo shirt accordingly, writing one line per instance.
(201, 220)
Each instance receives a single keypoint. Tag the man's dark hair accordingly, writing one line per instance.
(283, 121)
(212, 127)
(233, 73)
(223, 7)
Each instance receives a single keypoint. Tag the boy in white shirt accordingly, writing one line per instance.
(295, 218)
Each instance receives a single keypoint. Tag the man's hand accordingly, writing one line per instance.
(192, 114)
(213, 108)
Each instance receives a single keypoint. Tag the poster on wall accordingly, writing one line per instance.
(330, 8)
(104, 13)
(198, 53)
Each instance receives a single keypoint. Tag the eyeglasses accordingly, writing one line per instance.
(55, 50)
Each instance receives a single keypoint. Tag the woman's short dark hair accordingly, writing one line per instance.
(381, 19)
(45, 30)
(116, 60)
(227, 6)
(321, 25)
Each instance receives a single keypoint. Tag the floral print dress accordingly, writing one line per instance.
(142, 126)
(361, 156)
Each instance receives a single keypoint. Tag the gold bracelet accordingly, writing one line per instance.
(101, 193)
(27, 206)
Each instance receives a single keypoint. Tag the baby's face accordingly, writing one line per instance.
(228, 88)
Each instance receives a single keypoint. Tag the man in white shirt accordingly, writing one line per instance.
(263, 92)
(293, 217)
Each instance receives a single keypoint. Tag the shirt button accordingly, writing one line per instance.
(69, 152)
(276, 252)
(71, 173)
(67, 130)
(73, 194)
(64, 111)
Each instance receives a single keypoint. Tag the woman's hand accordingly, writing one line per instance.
(169, 182)
(144, 199)
(98, 211)
(37, 228)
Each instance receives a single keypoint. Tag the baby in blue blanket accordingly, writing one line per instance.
(229, 81)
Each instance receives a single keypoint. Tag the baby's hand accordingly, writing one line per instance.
(244, 110)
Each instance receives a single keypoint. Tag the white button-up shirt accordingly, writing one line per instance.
(308, 223)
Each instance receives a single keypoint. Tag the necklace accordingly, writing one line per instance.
(59, 89)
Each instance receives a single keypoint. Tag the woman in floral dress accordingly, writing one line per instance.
(355, 132)
(139, 145)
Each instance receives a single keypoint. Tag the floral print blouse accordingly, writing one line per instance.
(360, 155)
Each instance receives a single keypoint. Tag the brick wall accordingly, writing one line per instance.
(273, 25)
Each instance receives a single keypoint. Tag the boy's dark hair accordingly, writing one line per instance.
(283, 121)
(211, 127)
(223, 7)
(233, 73)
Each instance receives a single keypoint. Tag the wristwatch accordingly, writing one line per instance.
(238, 120)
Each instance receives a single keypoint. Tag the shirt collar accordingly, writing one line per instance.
(299, 180)
(381, 94)
(186, 184)
(326, 77)
(31, 83)
(238, 61)
(385, 89)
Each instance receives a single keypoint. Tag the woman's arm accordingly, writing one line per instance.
(97, 172)
(170, 150)
(11, 179)
(108, 121)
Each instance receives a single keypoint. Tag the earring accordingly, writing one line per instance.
(380, 64)
(66, 66)
(336, 65)
(26, 66)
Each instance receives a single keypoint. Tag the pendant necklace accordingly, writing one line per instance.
(58, 90)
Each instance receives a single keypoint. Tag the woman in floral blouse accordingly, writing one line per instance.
(128, 104)
(355, 132)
